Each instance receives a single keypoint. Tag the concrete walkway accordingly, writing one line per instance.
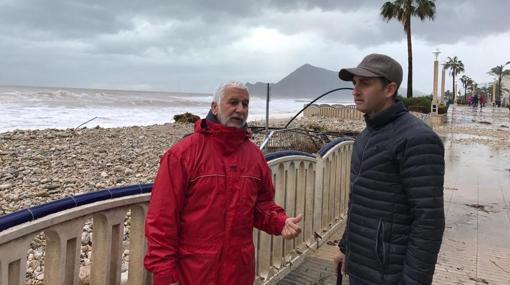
(476, 243)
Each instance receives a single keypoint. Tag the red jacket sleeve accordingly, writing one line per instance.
(162, 222)
(269, 217)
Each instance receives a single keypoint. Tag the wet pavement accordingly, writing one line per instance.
(476, 242)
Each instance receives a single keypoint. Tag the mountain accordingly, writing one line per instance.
(308, 82)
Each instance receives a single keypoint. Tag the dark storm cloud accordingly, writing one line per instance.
(198, 21)
(166, 44)
(459, 20)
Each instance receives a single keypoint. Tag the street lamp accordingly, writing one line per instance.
(434, 104)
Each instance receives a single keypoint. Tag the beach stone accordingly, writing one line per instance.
(52, 186)
(118, 168)
(84, 275)
(38, 253)
(54, 191)
(7, 176)
(85, 238)
(42, 193)
(5, 186)
(128, 171)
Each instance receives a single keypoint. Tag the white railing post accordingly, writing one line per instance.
(13, 260)
(62, 256)
(137, 274)
(319, 191)
(308, 234)
(277, 249)
(107, 247)
(290, 205)
(300, 202)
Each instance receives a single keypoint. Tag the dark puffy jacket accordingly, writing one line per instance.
(396, 217)
(212, 188)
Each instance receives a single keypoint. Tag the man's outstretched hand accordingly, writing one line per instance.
(291, 228)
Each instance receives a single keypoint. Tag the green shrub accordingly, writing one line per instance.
(417, 104)
(442, 109)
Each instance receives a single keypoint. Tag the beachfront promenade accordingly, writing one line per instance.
(476, 242)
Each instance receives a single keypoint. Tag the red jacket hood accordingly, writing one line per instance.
(229, 137)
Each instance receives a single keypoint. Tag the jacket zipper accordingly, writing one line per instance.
(348, 254)
(362, 158)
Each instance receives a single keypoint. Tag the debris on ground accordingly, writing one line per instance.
(478, 207)
(451, 188)
(186, 118)
(483, 281)
(498, 266)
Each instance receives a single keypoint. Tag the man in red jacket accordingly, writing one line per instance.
(211, 189)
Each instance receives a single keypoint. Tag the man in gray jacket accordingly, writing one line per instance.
(395, 218)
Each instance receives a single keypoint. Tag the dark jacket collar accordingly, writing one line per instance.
(381, 119)
(211, 117)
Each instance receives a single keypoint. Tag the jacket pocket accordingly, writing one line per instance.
(198, 266)
(380, 245)
(248, 254)
(247, 266)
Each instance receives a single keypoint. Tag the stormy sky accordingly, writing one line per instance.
(193, 45)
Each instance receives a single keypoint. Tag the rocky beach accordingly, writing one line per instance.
(38, 166)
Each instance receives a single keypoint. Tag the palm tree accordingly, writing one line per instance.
(456, 66)
(499, 72)
(403, 10)
(466, 82)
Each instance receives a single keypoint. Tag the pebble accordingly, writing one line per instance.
(5, 186)
(85, 238)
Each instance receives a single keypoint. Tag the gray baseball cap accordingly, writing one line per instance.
(375, 65)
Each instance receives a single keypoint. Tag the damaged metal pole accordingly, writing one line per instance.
(267, 111)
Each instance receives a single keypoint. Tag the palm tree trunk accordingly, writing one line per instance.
(453, 88)
(409, 58)
(499, 86)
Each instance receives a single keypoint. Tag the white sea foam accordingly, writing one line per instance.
(41, 108)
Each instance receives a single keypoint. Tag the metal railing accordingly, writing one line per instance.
(345, 112)
(314, 185)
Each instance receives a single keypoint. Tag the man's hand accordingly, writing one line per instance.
(340, 258)
(291, 228)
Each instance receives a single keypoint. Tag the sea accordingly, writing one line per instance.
(30, 108)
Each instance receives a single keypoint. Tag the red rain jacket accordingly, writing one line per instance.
(211, 189)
